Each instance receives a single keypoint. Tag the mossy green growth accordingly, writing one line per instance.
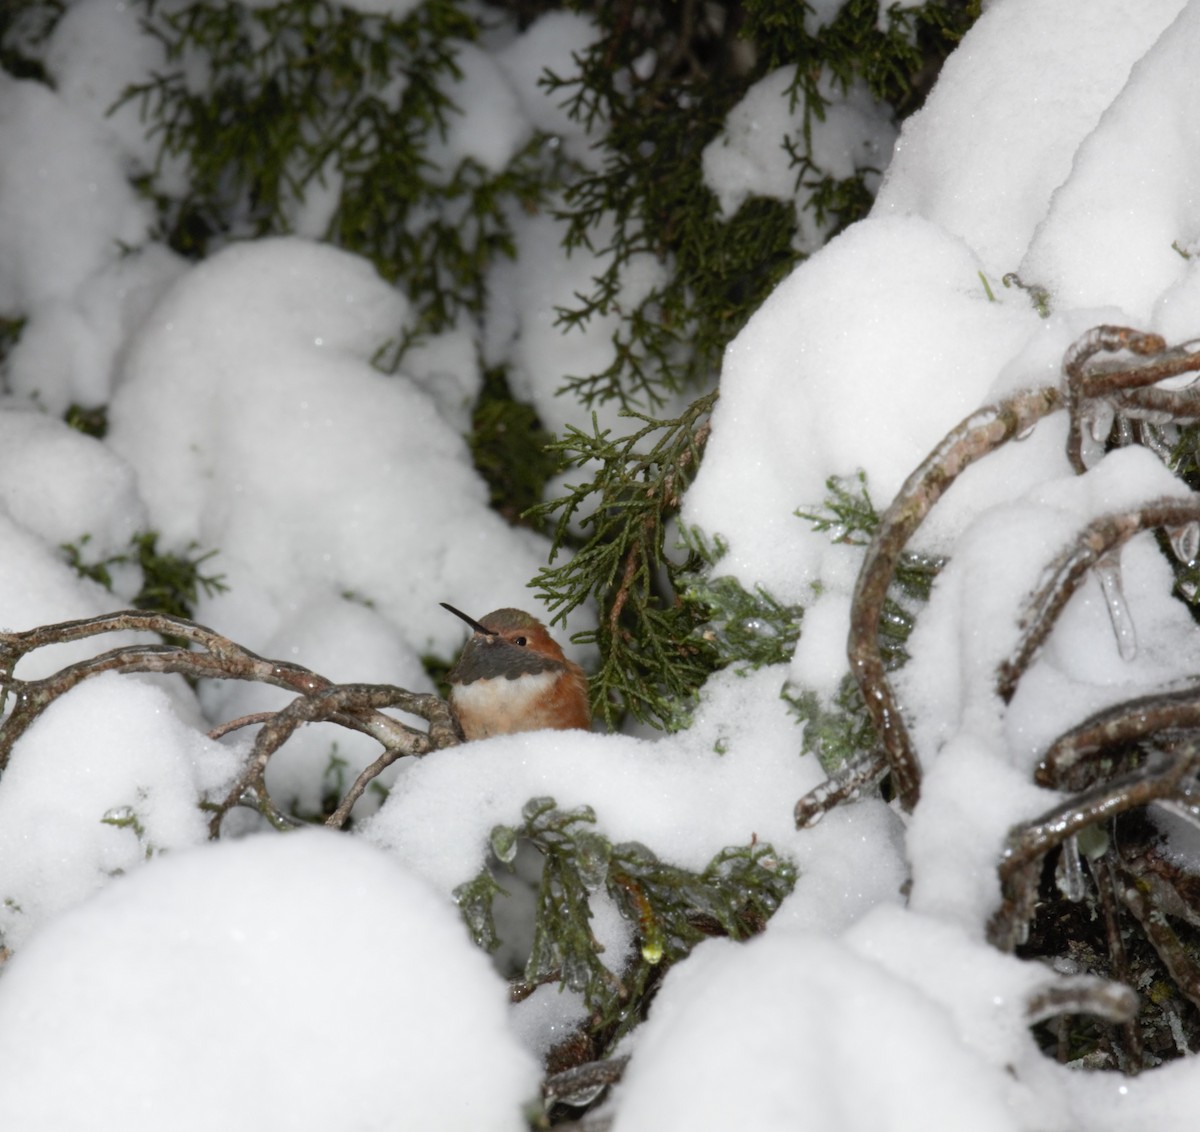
(669, 909)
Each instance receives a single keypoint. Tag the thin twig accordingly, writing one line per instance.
(1133, 1054)
(844, 785)
(1182, 968)
(356, 700)
(208, 655)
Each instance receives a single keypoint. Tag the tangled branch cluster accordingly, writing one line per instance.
(198, 653)
(1115, 763)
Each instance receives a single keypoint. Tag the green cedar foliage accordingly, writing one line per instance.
(840, 732)
(669, 909)
(662, 79)
(310, 96)
(171, 583)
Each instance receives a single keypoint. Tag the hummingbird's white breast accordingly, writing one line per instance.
(499, 706)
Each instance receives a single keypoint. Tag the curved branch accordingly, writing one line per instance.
(982, 432)
(844, 785)
(212, 656)
(1028, 843)
(1064, 766)
(1082, 994)
(356, 700)
(1099, 538)
(1083, 386)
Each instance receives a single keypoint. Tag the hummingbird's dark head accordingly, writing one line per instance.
(507, 642)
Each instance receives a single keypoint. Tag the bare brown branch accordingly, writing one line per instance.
(208, 655)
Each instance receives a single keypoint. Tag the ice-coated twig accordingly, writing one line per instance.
(580, 1084)
(1133, 1057)
(1100, 539)
(982, 432)
(1082, 994)
(1070, 761)
(1028, 843)
(1180, 965)
(1178, 404)
(843, 785)
(1083, 387)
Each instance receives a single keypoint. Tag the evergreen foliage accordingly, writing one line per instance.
(649, 662)
(171, 583)
(669, 909)
(840, 732)
(649, 201)
(661, 80)
(312, 115)
(308, 98)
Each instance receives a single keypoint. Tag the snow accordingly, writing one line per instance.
(488, 127)
(801, 391)
(809, 1002)
(1123, 240)
(62, 206)
(307, 974)
(1013, 104)
(245, 415)
(60, 798)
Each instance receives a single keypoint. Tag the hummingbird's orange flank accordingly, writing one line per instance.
(512, 676)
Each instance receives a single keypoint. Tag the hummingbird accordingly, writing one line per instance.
(512, 676)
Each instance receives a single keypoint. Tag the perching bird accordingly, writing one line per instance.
(512, 676)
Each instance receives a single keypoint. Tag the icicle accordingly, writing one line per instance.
(1069, 874)
(1109, 572)
(1185, 542)
(1100, 420)
(1090, 449)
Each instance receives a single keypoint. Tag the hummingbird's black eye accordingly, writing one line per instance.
(519, 641)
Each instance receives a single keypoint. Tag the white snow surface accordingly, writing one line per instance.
(185, 1013)
(184, 984)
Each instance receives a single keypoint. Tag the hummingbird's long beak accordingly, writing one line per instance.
(469, 620)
